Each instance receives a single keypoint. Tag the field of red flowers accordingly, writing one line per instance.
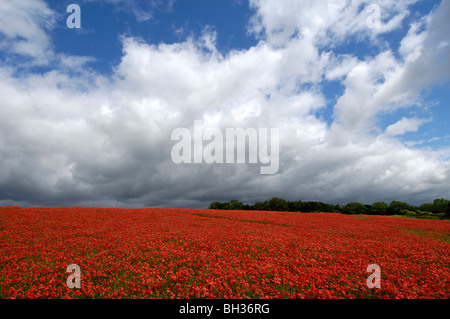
(184, 253)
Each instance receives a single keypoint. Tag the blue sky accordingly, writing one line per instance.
(363, 113)
(104, 23)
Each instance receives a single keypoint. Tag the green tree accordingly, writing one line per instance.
(295, 206)
(396, 208)
(278, 204)
(217, 205)
(355, 208)
(338, 209)
(328, 208)
(236, 205)
(258, 206)
(441, 206)
(427, 207)
(378, 208)
(439, 209)
(447, 214)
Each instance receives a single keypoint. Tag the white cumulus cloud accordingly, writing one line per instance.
(85, 139)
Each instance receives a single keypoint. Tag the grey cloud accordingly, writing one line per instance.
(69, 139)
(23, 29)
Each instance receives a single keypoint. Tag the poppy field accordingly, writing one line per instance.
(187, 253)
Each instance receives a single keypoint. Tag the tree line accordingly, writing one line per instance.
(438, 209)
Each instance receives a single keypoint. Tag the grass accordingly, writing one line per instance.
(444, 237)
(362, 217)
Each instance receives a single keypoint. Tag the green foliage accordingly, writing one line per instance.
(236, 205)
(216, 205)
(231, 205)
(408, 213)
(277, 204)
(428, 207)
(259, 206)
(439, 209)
(442, 206)
(396, 207)
(295, 206)
(310, 207)
(378, 208)
(421, 214)
(447, 214)
(355, 208)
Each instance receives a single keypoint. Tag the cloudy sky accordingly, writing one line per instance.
(86, 114)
